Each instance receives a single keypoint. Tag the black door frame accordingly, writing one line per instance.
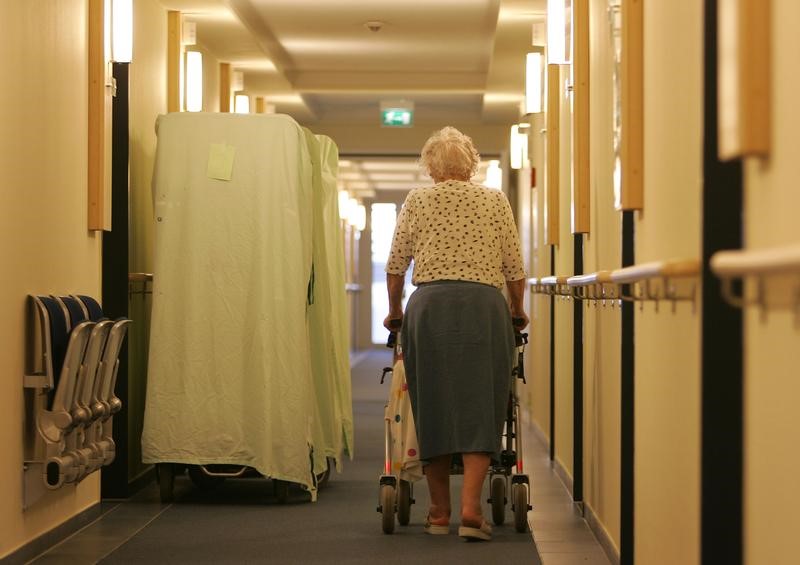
(722, 338)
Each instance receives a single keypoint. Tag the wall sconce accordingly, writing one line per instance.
(533, 83)
(241, 104)
(344, 205)
(194, 81)
(237, 81)
(559, 35)
(360, 217)
(189, 33)
(494, 175)
(121, 31)
(518, 151)
(356, 214)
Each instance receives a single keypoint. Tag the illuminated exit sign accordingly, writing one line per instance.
(397, 117)
(398, 114)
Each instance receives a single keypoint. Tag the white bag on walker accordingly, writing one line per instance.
(405, 448)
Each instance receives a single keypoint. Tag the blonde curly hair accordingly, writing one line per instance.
(449, 154)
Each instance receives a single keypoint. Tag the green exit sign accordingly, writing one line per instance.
(397, 117)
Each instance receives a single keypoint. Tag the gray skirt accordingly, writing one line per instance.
(458, 349)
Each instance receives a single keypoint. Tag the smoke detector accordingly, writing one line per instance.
(374, 25)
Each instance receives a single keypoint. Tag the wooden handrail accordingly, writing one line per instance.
(600, 277)
(777, 260)
(656, 269)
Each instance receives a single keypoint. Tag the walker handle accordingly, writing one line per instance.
(394, 323)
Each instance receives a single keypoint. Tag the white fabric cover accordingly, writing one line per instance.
(229, 377)
(331, 344)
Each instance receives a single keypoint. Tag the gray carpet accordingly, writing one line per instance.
(240, 521)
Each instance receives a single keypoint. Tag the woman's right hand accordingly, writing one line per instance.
(519, 320)
(393, 322)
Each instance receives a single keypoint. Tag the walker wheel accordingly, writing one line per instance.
(498, 498)
(281, 489)
(387, 498)
(166, 481)
(404, 502)
(520, 501)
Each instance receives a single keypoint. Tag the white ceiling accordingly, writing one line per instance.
(321, 47)
(460, 61)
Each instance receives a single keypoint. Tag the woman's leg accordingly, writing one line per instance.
(437, 472)
(476, 465)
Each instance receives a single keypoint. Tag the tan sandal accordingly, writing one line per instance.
(436, 529)
(484, 533)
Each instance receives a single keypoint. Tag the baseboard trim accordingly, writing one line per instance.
(611, 550)
(564, 475)
(141, 480)
(39, 545)
(539, 432)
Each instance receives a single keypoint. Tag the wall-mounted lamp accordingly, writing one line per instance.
(241, 104)
(518, 151)
(533, 83)
(356, 214)
(194, 81)
(344, 204)
(237, 81)
(494, 175)
(189, 33)
(121, 31)
(360, 217)
(559, 26)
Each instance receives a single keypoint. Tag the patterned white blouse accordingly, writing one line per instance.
(459, 231)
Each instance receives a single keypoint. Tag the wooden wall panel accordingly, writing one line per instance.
(173, 61)
(99, 134)
(580, 126)
(743, 67)
(225, 87)
(632, 94)
(551, 223)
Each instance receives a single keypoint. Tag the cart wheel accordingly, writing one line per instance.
(166, 481)
(203, 481)
(387, 508)
(520, 496)
(498, 497)
(281, 489)
(404, 502)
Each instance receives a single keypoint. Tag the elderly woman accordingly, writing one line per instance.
(457, 334)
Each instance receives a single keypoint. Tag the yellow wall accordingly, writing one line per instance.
(538, 354)
(44, 242)
(563, 307)
(148, 99)
(771, 380)
(211, 81)
(602, 338)
(667, 344)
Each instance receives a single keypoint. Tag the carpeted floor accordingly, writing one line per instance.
(240, 521)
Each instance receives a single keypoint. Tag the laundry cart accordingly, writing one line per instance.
(240, 379)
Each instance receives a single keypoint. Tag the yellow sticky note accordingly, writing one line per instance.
(220, 161)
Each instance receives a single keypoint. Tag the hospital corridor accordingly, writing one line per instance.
(399, 281)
